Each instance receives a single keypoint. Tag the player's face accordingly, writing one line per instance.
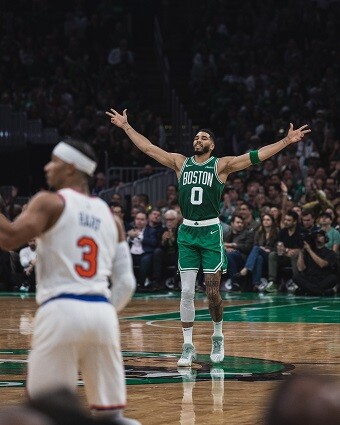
(202, 143)
(55, 172)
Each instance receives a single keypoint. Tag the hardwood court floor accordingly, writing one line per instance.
(266, 338)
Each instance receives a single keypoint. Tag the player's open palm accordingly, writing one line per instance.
(116, 118)
(294, 136)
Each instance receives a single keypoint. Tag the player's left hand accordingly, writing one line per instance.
(116, 118)
(294, 136)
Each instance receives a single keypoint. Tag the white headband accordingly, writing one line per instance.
(71, 155)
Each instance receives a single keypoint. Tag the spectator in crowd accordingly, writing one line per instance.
(305, 399)
(100, 183)
(165, 257)
(333, 235)
(28, 258)
(277, 215)
(144, 238)
(238, 184)
(121, 54)
(237, 242)
(245, 210)
(116, 197)
(261, 206)
(308, 222)
(264, 243)
(316, 266)
(141, 262)
(171, 199)
(151, 240)
(144, 202)
(148, 170)
(274, 195)
(117, 209)
(229, 204)
(287, 252)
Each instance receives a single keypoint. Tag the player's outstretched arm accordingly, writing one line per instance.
(237, 163)
(171, 160)
(41, 214)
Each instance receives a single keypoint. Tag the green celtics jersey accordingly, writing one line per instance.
(200, 189)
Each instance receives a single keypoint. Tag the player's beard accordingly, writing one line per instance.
(204, 150)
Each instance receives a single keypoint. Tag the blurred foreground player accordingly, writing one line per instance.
(80, 247)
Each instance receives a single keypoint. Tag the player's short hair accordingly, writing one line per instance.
(211, 134)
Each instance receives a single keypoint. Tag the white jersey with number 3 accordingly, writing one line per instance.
(75, 256)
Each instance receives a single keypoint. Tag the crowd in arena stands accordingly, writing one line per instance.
(272, 242)
(251, 77)
(66, 72)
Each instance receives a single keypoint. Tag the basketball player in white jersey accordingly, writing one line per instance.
(80, 246)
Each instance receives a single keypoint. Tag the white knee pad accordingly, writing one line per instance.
(187, 307)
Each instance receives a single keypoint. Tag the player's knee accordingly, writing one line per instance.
(187, 295)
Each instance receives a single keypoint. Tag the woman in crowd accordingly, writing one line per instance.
(264, 243)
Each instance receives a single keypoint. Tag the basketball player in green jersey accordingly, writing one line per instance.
(201, 180)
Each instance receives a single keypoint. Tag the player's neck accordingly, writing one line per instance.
(202, 158)
(78, 187)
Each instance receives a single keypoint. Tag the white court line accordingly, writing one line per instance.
(176, 312)
(259, 308)
(151, 322)
(320, 307)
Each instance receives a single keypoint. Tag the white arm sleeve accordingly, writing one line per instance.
(122, 277)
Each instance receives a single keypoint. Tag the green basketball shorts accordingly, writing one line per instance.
(201, 246)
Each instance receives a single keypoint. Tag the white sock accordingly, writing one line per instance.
(218, 328)
(187, 335)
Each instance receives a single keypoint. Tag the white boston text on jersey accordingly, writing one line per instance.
(198, 177)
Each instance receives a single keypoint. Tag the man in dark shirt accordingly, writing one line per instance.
(316, 268)
(289, 244)
(165, 256)
(238, 243)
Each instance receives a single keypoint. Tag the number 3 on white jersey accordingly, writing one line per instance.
(90, 253)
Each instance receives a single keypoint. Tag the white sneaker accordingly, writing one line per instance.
(217, 349)
(23, 288)
(226, 286)
(188, 355)
(291, 286)
(271, 287)
(262, 286)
